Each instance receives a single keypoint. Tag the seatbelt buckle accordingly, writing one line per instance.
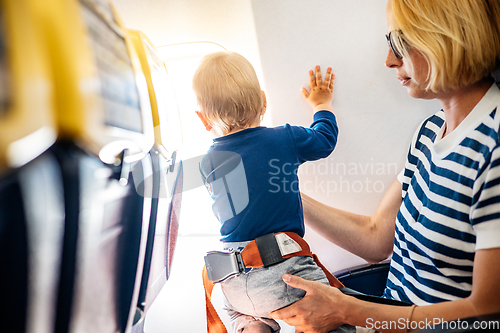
(223, 264)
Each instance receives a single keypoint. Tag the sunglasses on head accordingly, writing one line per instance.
(390, 40)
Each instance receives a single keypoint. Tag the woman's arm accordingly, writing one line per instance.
(324, 308)
(370, 237)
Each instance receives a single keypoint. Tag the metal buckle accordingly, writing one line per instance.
(223, 264)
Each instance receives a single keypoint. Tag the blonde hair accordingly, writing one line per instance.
(228, 91)
(460, 39)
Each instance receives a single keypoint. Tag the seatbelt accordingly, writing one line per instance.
(214, 323)
(260, 252)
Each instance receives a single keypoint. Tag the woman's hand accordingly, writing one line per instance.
(321, 309)
(321, 91)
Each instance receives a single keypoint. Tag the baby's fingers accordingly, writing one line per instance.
(319, 79)
(328, 77)
(305, 93)
(312, 79)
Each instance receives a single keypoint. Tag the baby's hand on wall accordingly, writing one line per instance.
(321, 91)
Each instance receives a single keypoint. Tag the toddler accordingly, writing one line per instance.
(250, 172)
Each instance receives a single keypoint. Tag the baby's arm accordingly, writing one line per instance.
(319, 140)
(321, 95)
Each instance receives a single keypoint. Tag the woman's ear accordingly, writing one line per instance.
(204, 120)
(264, 104)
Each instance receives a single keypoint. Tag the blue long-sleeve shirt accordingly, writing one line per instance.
(252, 176)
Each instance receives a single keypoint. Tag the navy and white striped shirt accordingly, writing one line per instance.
(450, 206)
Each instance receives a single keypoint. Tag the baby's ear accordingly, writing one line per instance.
(204, 120)
(264, 104)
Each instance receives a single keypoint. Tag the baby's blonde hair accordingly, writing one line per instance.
(460, 39)
(228, 91)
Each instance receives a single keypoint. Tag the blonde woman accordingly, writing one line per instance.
(441, 219)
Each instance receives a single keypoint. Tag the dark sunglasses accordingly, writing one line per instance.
(391, 44)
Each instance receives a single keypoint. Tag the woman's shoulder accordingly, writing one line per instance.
(430, 126)
(437, 120)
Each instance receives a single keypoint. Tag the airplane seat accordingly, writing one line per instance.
(133, 252)
(32, 225)
(162, 236)
(167, 176)
(31, 191)
(370, 280)
(105, 133)
(102, 243)
(138, 321)
(14, 259)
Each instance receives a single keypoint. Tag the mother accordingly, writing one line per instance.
(441, 218)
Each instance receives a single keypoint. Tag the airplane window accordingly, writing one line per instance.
(4, 73)
(166, 101)
(199, 229)
(119, 92)
(181, 61)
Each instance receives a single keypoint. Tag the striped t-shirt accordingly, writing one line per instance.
(450, 206)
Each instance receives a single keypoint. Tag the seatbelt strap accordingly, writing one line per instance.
(214, 323)
(252, 258)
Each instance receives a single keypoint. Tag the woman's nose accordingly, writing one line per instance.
(391, 61)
